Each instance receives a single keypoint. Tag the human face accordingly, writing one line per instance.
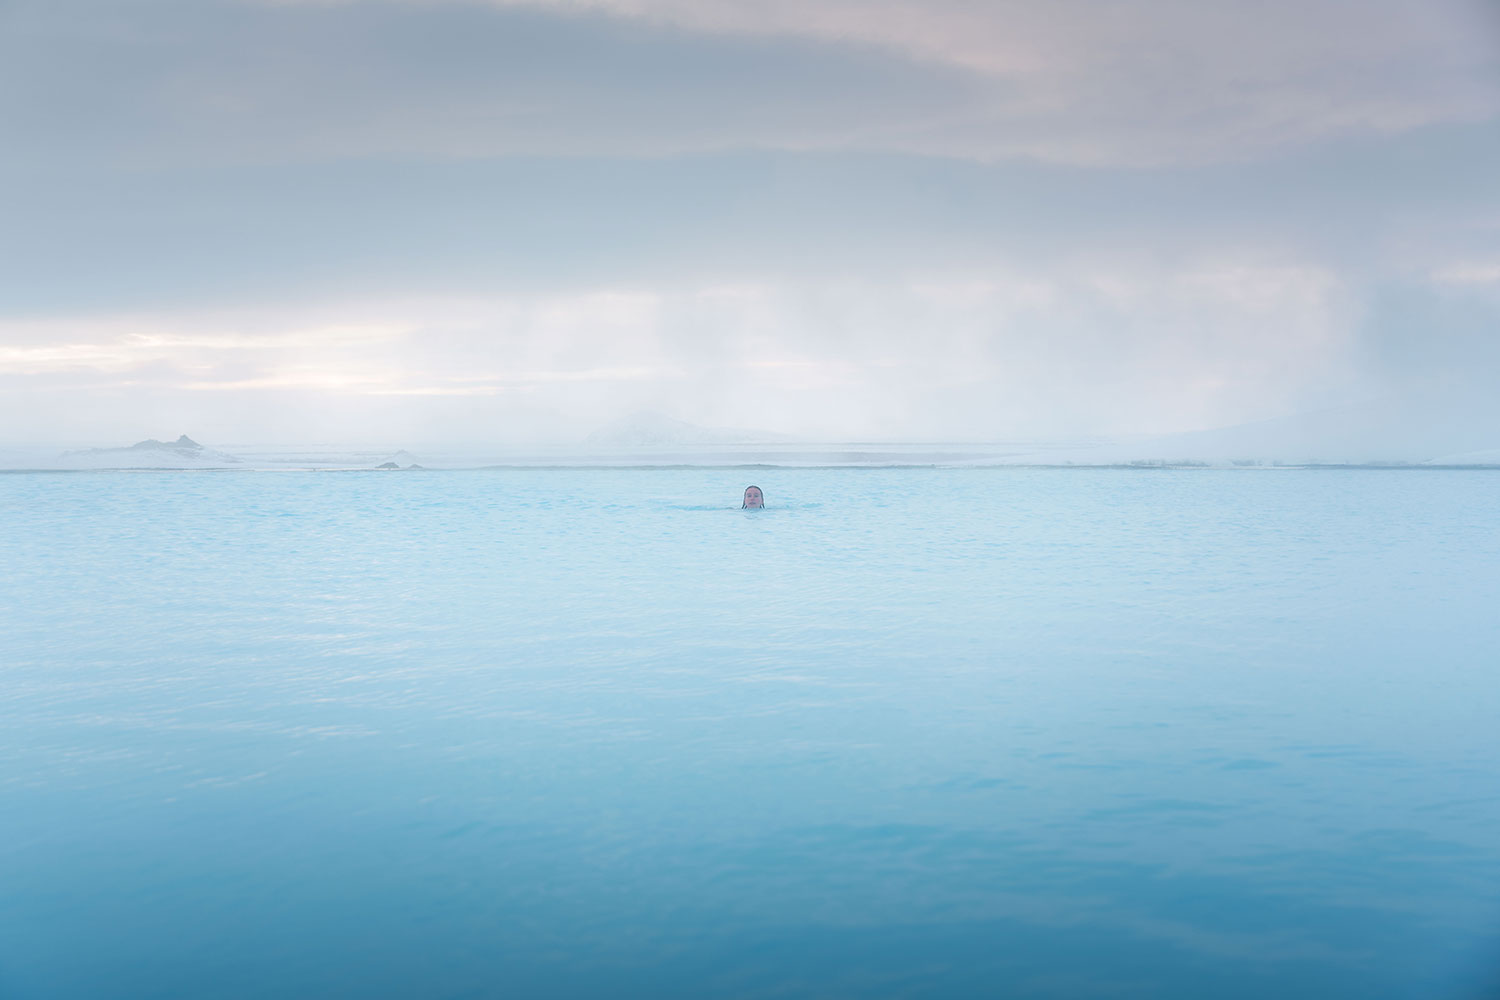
(753, 497)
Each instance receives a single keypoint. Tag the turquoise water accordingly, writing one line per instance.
(907, 733)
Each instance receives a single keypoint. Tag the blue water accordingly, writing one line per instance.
(596, 733)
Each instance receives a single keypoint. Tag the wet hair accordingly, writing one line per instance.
(757, 489)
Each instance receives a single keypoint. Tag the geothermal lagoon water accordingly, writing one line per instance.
(597, 733)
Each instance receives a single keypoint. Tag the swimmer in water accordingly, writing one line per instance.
(754, 499)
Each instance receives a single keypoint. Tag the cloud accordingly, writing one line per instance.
(124, 343)
(1440, 336)
(103, 238)
(988, 356)
(1149, 80)
(1469, 273)
(1076, 81)
(1107, 350)
(1143, 81)
(172, 82)
(884, 219)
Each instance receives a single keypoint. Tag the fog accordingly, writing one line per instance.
(1174, 231)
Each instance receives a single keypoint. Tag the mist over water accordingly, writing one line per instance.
(906, 732)
(1120, 378)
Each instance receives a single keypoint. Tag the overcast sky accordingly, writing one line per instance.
(421, 222)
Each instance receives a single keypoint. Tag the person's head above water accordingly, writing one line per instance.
(754, 498)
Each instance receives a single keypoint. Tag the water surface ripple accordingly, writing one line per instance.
(907, 733)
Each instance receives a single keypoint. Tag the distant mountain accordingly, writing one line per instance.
(184, 453)
(654, 430)
(183, 444)
(1408, 430)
